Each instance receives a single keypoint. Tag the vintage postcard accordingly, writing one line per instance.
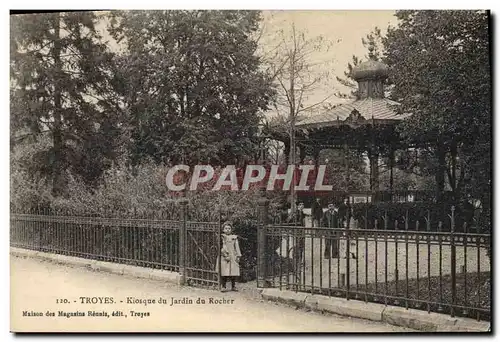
(250, 171)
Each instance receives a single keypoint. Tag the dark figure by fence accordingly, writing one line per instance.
(282, 216)
(467, 210)
(298, 219)
(331, 219)
(316, 212)
(230, 256)
(344, 211)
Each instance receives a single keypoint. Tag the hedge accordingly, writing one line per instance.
(420, 216)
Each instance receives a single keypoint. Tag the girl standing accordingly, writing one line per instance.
(231, 254)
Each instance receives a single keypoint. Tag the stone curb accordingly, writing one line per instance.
(339, 306)
(417, 319)
(101, 266)
(297, 299)
(408, 318)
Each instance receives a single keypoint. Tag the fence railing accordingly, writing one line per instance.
(142, 242)
(179, 245)
(426, 269)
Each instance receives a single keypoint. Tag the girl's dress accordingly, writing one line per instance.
(230, 250)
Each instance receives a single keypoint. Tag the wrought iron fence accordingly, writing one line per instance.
(202, 240)
(147, 240)
(418, 267)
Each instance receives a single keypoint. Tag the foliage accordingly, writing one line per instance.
(60, 85)
(413, 212)
(190, 83)
(141, 193)
(471, 289)
(440, 68)
(440, 72)
(409, 172)
(99, 128)
(346, 169)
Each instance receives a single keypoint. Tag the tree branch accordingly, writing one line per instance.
(316, 104)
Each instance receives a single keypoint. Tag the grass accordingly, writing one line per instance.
(472, 289)
(473, 292)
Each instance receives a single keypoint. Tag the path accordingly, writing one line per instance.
(37, 285)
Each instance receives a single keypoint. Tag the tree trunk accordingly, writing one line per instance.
(287, 151)
(316, 152)
(347, 170)
(374, 172)
(293, 162)
(302, 153)
(57, 137)
(440, 173)
(453, 181)
(391, 176)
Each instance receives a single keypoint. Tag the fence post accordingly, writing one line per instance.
(263, 205)
(453, 262)
(219, 247)
(40, 228)
(182, 240)
(348, 262)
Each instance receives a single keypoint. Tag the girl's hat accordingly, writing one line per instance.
(227, 223)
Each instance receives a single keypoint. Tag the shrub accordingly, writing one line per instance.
(393, 216)
(142, 192)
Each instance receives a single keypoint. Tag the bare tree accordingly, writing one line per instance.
(297, 76)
